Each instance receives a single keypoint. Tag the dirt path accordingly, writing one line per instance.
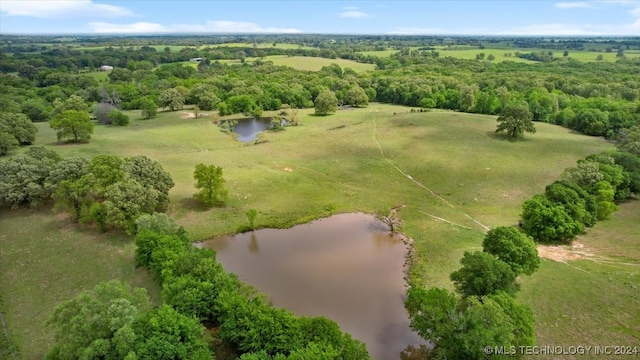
(408, 176)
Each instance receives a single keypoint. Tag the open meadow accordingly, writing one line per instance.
(449, 170)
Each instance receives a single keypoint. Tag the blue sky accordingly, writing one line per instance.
(529, 17)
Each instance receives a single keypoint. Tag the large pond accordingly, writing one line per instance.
(346, 267)
(248, 129)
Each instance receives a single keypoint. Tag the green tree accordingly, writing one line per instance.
(629, 140)
(251, 216)
(23, 178)
(75, 196)
(118, 118)
(547, 222)
(482, 274)
(19, 126)
(211, 184)
(326, 102)
(515, 120)
(158, 223)
(148, 107)
(126, 200)
(73, 102)
(72, 124)
(151, 175)
(356, 96)
(578, 203)
(97, 324)
(165, 334)
(514, 248)
(7, 142)
(172, 99)
(460, 328)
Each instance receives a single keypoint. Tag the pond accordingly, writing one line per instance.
(249, 128)
(346, 267)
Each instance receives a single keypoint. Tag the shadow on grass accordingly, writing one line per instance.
(505, 137)
(191, 204)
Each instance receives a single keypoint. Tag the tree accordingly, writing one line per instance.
(7, 142)
(74, 196)
(578, 203)
(514, 248)
(97, 323)
(150, 174)
(101, 112)
(460, 328)
(211, 184)
(148, 108)
(158, 223)
(72, 124)
(117, 118)
(19, 126)
(356, 96)
(547, 222)
(251, 217)
(515, 120)
(482, 274)
(73, 102)
(23, 178)
(172, 99)
(165, 334)
(629, 141)
(491, 57)
(326, 102)
(126, 200)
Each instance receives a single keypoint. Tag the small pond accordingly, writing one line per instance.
(346, 267)
(249, 128)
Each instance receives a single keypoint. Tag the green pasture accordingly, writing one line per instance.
(450, 171)
(593, 300)
(260, 45)
(316, 63)
(465, 52)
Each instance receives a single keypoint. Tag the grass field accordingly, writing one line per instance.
(595, 300)
(470, 54)
(316, 63)
(451, 172)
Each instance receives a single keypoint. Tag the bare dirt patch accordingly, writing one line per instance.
(188, 115)
(564, 253)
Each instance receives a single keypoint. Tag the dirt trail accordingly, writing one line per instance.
(408, 176)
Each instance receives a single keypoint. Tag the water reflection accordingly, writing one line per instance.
(346, 267)
(248, 129)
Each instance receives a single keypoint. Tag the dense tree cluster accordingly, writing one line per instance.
(116, 322)
(588, 192)
(484, 313)
(107, 191)
(599, 99)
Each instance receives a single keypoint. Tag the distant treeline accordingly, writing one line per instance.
(598, 98)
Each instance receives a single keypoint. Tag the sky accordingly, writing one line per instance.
(417, 17)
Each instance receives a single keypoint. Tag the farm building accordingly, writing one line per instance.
(106, 67)
(196, 59)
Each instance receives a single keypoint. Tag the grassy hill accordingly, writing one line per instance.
(452, 173)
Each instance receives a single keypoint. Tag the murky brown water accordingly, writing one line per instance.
(345, 267)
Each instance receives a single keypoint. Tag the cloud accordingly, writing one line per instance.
(58, 9)
(416, 31)
(218, 26)
(635, 12)
(353, 14)
(574, 5)
(139, 27)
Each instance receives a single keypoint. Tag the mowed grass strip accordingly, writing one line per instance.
(457, 174)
